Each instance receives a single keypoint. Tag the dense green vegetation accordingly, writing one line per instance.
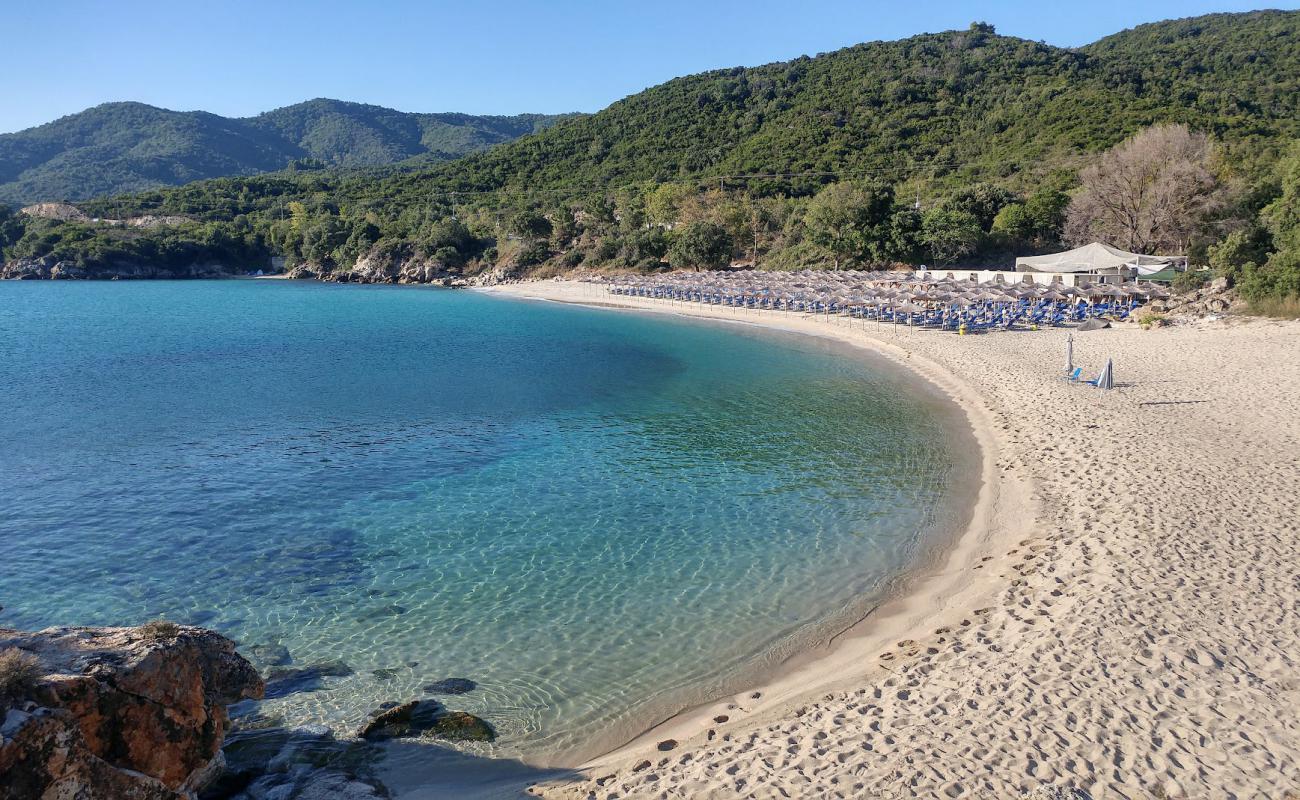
(959, 147)
(124, 147)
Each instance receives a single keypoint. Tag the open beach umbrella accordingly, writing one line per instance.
(1106, 380)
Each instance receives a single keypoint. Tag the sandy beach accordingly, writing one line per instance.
(1122, 615)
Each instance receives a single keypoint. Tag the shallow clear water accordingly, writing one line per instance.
(598, 516)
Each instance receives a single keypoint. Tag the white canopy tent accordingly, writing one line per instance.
(1098, 259)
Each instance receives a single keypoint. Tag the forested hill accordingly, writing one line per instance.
(124, 147)
(931, 111)
(962, 146)
(961, 105)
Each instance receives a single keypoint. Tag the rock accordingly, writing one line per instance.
(284, 681)
(407, 719)
(252, 719)
(47, 268)
(337, 786)
(382, 612)
(427, 718)
(297, 763)
(119, 714)
(64, 212)
(641, 766)
(451, 686)
(384, 674)
(397, 265)
(461, 727)
(272, 654)
(667, 744)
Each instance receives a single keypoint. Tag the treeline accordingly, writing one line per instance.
(1247, 231)
(683, 224)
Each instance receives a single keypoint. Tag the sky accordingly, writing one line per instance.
(239, 58)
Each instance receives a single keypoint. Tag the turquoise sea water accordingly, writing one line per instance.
(598, 516)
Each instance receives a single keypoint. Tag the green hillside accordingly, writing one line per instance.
(126, 147)
(963, 124)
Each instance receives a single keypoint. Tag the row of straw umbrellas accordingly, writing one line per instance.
(903, 292)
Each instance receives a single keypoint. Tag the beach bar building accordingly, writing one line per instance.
(1100, 263)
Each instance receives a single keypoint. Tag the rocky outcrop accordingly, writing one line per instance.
(398, 265)
(1213, 298)
(152, 221)
(385, 265)
(131, 713)
(65, 212)
(50, 268)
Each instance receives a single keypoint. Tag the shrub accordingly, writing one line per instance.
(1279, 307)
(532, 253)
(160, 629)
(1189, 281)
(19, 672)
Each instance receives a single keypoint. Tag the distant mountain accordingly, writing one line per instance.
(124, 147)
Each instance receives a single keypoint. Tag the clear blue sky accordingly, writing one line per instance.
(237, 58)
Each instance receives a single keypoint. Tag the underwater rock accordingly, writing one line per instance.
(270, 654)
(407, 719)
(297, 764)
(383, 612)
(451, 686)
(284, 681)
(461, 727)
(429, 719)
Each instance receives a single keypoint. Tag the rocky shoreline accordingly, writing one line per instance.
(372, 269)
(137, 713)
(171, 712)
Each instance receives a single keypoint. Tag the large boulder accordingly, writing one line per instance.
(120, 712)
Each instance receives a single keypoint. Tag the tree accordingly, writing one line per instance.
(322, 238)
(1150, 193)
(564, 225)
(982, 200)
(645, 247)
(530, 225)
(1034, 223)
(11, 229)
(1280, 276)
(948, 235)
(700, 245)
(664, 205)
(850, 221)
(904, 235)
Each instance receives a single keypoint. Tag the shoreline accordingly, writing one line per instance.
(935, 590)
(1127, 625)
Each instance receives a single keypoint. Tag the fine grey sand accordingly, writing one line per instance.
(1122, 617)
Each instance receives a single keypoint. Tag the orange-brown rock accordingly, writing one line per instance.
(135, 713)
